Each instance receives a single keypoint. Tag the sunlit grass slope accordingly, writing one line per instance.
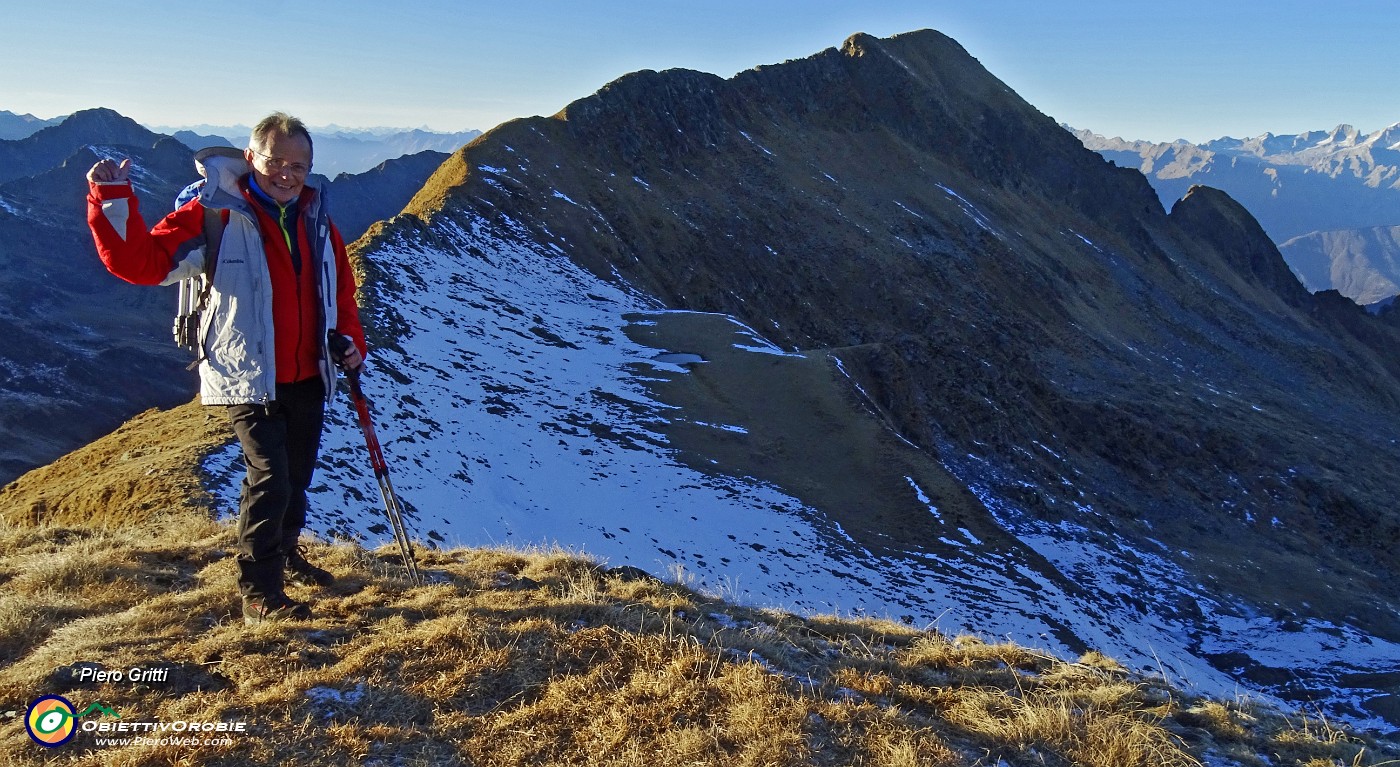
(526, 657)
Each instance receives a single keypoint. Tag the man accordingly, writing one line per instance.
(280, 282)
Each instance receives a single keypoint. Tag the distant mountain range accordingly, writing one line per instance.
(1362, 264)
(1326, 197)
(13, 126)
(339, 150)
(81, 351)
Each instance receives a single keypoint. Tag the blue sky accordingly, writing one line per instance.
(1153, 70)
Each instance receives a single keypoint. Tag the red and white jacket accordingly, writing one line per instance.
(265, 322)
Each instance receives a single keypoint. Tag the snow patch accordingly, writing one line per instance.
(971, 211)
(923, 498)
(907, 210)
(755, 143)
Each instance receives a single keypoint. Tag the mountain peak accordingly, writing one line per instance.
(105, 120)
(1217, 219)
(857, 44)
(1342, 135)
(1010, 306)
(13, 126)
(50, 146)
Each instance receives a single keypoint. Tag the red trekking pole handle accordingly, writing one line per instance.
(340, 347)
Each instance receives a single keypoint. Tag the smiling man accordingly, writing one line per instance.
(277, 284)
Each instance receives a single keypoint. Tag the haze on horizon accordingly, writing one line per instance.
(1198, 70)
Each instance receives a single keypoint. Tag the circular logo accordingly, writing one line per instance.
(50, 721)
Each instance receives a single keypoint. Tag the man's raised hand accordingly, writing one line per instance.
(109, 172)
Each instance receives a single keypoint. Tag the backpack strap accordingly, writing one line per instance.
(213, 239)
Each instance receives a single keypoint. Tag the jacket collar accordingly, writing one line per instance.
(264, 199)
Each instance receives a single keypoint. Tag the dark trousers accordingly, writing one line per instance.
(280, 442)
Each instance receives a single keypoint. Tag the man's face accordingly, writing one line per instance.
(280, 165)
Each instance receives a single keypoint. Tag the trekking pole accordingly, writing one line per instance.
(339, 346)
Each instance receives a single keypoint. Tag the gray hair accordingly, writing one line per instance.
(280, 123)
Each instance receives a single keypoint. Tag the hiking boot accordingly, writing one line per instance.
(274, 607)
(305, 573)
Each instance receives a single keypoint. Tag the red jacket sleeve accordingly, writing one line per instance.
(126, 248)
(347, 309)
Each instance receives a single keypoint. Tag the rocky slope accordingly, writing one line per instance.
(1146, 404)
(999, 287)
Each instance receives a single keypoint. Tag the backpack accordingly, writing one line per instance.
(194, 291)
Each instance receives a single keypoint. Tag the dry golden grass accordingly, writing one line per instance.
(145, 468)
(523, 658)
(528, 657)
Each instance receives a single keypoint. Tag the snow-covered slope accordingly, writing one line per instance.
(1029, 401)
(515, 410)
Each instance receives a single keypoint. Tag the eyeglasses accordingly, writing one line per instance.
(277, 165)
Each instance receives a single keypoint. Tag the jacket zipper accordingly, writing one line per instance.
(282, 224)
(296, 279)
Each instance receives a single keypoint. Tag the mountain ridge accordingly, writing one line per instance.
(50, 146)
(1023, 311)
(15, 126)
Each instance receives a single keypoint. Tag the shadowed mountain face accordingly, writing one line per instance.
(360, 200)
(1010, 300)
(1070, 355)
(80, 351)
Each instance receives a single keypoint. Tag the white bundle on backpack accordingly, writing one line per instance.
(194, 290)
